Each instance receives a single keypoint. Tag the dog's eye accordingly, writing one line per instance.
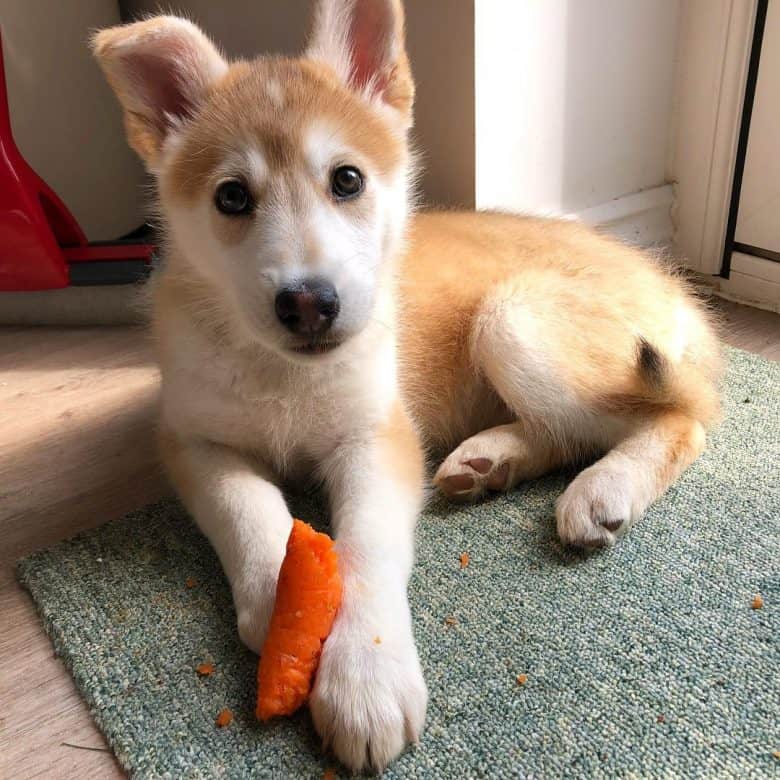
(346, 182)
(233, 198)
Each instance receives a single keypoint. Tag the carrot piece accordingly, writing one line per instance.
(757, 602)
(204, 670)
(308, 595)
(225, 718)
(464, 560)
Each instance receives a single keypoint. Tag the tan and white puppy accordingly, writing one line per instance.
(312, 330)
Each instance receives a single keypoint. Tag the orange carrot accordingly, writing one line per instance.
(224, 718)
(308, 595)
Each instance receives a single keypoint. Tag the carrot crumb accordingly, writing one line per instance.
(191, 582)
(204, 670)
(757, 602)
(450, 621)
(522, 679)
(464, 560)
(661, 718)
(329, 774)
(225, 718)
(377, 640)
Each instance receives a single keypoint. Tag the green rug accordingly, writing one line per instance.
(643, 661)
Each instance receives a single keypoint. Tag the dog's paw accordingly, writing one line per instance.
(369, 698)
(491, 460)
(598, 506)
(254, 605)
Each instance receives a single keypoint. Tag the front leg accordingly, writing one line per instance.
(370, 698)
(245, 518)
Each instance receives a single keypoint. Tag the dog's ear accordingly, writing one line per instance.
(160, 69)
(363, 41)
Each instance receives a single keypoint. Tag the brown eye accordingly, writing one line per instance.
(346, 182)
(232, 198)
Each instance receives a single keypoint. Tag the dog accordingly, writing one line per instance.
(313, 329)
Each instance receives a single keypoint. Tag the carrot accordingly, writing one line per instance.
(224, 718)
(308, 595)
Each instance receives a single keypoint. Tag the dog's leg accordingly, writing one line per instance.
(495, 459)
(244, 517)
(606, 498)
(370, 698)
(570, 362)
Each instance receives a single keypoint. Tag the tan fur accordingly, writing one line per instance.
(115, 48)
(239, 113)
(594, 297)
(683, 438)
(399, 447)
(395, 80)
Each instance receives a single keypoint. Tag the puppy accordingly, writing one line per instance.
(312, 329)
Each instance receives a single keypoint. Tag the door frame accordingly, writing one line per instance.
(730, 245)
(716, 42)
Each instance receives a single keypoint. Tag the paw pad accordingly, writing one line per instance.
(458, 483)
(611, 525)
(472, 478)
(480, 465)
(498, 479)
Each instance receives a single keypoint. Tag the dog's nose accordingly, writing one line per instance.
(308, 308)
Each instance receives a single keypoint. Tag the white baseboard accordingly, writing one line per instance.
(752, 281)
(642, 218)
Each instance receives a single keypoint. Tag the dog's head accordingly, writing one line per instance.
(282, 182)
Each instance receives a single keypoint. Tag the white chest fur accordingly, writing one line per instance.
(291, 415)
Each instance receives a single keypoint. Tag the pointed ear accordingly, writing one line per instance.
(363, 41)
(160, 69)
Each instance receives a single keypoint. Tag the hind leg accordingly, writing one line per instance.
(495, 459)
(528, 355)
(606, 498)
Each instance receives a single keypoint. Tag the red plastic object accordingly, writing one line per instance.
(39, 237)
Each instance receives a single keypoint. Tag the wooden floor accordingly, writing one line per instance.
(76, 450)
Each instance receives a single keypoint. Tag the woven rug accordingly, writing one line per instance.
(646, 660)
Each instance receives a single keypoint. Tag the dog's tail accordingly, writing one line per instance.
(661, 385)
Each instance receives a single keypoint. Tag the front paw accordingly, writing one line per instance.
(254, 605)
(369, 699)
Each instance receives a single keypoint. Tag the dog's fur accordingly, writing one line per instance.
(515, 344)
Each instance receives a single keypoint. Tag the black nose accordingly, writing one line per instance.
(308, 308)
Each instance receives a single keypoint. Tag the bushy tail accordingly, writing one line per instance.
(688, 386)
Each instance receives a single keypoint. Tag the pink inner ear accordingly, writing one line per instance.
(162, 83)
(371, 35)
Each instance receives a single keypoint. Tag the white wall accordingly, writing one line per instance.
(65, 119)
(573, 101)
